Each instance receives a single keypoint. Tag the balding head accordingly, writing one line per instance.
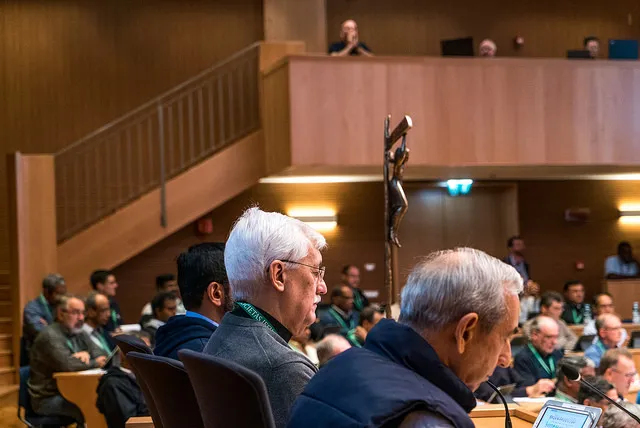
(488, 48)
(544, 334)
(609, 329)
(348, 27)
(71, 313)
(331, 346)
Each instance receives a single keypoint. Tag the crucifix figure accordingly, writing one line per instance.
(396, 203)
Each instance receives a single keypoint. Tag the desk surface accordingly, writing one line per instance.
(80, 388)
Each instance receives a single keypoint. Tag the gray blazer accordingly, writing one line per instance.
(253, 345)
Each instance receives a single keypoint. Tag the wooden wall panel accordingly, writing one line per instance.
(554, 245)
(297, 20)
(549, 27)
(466, 112)
(70, 67)
(358, 238)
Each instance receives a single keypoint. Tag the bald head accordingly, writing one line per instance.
(331, 346)
(488, 48)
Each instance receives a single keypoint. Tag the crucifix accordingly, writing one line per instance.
(395, 200)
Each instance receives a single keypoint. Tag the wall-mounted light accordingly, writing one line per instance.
(321, 219)
(459, 186)
(321, 179)
(629, 213)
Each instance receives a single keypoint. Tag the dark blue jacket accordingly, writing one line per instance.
(182, 332)
(396, 373)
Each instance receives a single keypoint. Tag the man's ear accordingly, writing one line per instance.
(215, 293)
(466, 328)
(277, 275)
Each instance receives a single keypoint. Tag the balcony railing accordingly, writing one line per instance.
(140, 151)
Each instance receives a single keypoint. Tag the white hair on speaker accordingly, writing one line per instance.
(446, 285)
(256, 240)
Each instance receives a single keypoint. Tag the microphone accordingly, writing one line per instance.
(507, 416)
(574, 375)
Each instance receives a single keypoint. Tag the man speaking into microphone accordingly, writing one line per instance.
(459, 309)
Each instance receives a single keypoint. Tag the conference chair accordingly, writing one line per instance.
(169, 385)
(128, 343)
(27, 415)
(517, 343)
(229, 395)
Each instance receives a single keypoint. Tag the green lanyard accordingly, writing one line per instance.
(70, 345)
(550, 368)
(46, 305)
(253, 313)
(353, 339)
(114, 317)
(357, 300)
(103, 343)
(600, 345)
(341, 321)
(576, 319)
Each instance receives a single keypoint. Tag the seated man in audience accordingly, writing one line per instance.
(588, 397)
(166, 283)
(351, 277)
(618, 368)
(623, 265)
(422, 370)
(39, 313)
(61, 347)
(566, 389)
(97, 316)
(488, 48)
(341, 313)
(205, 289)
(603, 304)
(574, 303)
(349, 43)
(275, 270)
(369, 317)
(104, 281)
(592, 44)
(538, 360)
(503, 376)
(609, 331)
(551, 305)
(303, 344)
(331, 346)
(164, 306)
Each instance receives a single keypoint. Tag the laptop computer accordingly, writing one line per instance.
(623, 49)
(457, 47)
(579, 54)
(556, 414)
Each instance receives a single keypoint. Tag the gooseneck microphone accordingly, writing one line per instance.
(574, 375)
(507, 416)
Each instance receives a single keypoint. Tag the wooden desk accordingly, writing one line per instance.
(80, 389)
(624, 292)
(492, 416)
(140, 422)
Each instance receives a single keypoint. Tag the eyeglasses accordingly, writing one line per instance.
(627, 375)
(76, 312)
(318, 270)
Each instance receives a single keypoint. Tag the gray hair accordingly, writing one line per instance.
(91, 300)
(326, 348)
(256, 240)
(51, 281)
(449, 284)
(616, 418)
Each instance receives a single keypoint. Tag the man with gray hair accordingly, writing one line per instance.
(459, 309)
(331, 346)
(616, 418)
(276, 276)
(40, 313)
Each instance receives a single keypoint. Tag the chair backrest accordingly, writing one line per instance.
(584, 342)
(24, 399)
(169, 385)
(229, 395)
(128, 343)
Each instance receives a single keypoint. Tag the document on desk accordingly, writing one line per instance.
(91, 372)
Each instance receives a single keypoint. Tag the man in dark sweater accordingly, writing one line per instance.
(276, 275)
(61, 347)
(539, 359)
(204, 288)
(459, 310)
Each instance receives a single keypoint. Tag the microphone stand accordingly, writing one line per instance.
(507, 418)
(600, 394)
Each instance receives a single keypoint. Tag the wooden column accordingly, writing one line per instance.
(32, 230)
(304, 20)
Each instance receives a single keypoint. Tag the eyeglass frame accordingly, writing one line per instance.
(626, 375)
(320, 269)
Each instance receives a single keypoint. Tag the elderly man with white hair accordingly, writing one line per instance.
(459, 309)
(276, 277)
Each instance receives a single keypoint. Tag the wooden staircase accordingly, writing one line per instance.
(8, 378)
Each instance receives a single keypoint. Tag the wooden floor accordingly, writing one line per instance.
(8, 418)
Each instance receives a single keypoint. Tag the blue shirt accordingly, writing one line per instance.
(595, 351)
(615, 265)
(197, 315)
